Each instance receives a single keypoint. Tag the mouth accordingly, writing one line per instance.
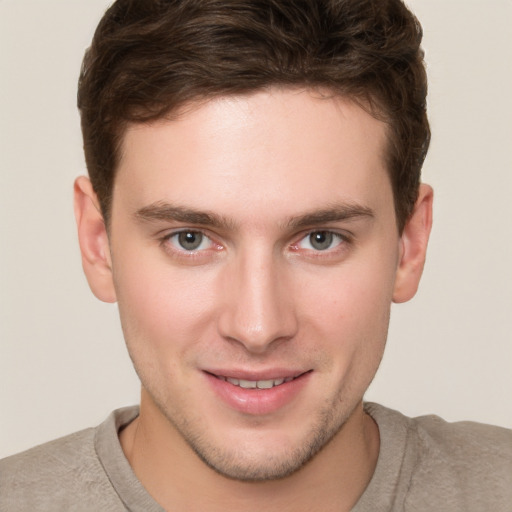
(256, 384)
(266, 383)
(258, 393)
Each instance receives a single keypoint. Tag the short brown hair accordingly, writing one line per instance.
(149, 57)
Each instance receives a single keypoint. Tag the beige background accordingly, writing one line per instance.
(62, 360)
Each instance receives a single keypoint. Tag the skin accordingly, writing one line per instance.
(275, 171)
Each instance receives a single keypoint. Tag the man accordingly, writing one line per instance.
(254, 206)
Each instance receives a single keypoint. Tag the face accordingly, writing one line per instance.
(254, 254)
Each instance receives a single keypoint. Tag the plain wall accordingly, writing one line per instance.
(63, 365)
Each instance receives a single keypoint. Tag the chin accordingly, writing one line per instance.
(261, 460)
(237, 466)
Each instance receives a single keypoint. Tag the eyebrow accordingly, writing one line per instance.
(162, 211)
(335, 213)
(168, 212)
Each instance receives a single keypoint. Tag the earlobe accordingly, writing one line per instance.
(93, 239)
(413, 247)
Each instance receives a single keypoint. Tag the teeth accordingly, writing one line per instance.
(259, 384)
(265, 384)
(248, 384)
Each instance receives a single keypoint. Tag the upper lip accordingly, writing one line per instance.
(269, 374)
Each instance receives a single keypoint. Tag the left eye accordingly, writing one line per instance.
(320, 241)
(190, 241)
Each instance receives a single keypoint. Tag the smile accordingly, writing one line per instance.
(256, 384)
(258, 393)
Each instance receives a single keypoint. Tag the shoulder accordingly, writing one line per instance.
(464, 466)
(465, 441)
(64, 474)
(472, 450)
(58, 455)
(465, 462)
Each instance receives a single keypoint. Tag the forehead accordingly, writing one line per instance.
(267, 150)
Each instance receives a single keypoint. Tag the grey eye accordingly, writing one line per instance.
(190, 240)
(321, 240)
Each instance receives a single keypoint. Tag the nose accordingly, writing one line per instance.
(258, 310)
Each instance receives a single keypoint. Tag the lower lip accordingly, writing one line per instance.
(258, 401)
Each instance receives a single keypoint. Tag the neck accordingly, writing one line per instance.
(179, 480)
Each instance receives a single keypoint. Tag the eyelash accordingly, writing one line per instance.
(339, 252)
(343, 240)
(172, 249)
(332, 237)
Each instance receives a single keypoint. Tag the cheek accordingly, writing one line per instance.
(164, 318)
(350, 315)
(161, 310)
(357, 295)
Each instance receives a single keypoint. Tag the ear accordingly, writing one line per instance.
(413, 246)
(93, 239)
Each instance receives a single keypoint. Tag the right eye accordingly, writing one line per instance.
(189, 240)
